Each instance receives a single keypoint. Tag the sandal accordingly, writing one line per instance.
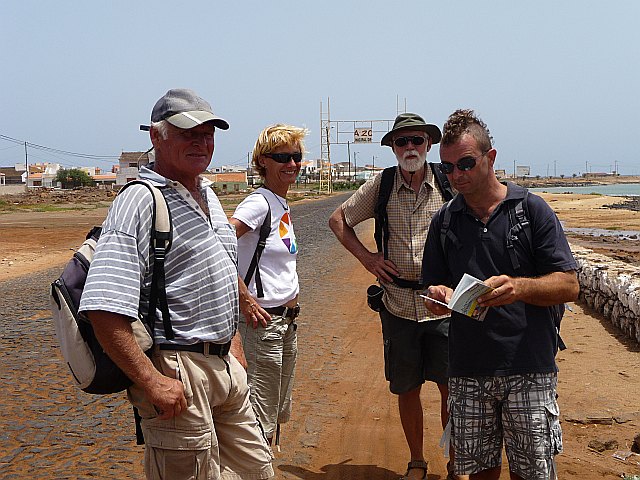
(416, 464)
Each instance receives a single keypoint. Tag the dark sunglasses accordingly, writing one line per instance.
(284, 157)
(464, 164)
(402, 141)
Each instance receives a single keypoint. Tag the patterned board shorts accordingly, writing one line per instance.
(520, 409)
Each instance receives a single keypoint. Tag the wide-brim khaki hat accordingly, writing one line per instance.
(412, 121)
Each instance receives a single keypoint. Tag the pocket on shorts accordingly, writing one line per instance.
(177, 440)
(172, 454)
(555, 430)
(172, 366)
(274, 331)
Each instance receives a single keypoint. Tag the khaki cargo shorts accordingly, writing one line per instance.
(218, 436)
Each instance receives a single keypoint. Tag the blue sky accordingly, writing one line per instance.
(557, 82)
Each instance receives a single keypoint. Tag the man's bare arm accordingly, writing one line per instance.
(116, 337)
(551, 289)
(373, 262)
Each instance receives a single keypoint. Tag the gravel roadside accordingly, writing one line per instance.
(50, 429)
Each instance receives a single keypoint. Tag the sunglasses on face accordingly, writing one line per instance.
(464, 164)
(284, 157)
(415, 140)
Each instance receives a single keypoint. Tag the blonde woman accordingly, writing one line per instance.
(269, 301)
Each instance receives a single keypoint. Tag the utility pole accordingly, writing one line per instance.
(349, 155)
(355, 163)
(26, 165)
(554, 169)
(514, 169)
(249, 169)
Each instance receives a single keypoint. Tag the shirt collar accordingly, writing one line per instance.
(427, 180)
(514, 192)
(147, 173)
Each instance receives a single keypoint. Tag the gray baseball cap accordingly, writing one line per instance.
(182, 108)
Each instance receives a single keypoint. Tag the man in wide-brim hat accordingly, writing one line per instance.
(415, 350)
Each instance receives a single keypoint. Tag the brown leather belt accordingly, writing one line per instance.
(206, 348)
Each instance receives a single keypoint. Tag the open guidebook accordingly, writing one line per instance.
(464, 299)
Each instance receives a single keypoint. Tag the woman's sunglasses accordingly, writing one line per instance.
(464, 164)
(415, 140)
(284, 157)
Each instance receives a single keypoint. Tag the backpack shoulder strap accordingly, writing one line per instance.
(445, 228)
(161, 239)
(442, 182)
(265, 230)
(381, 232)
(519, 230)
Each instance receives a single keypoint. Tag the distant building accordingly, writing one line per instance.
(42, 175)
(501, 173)
(12, 175)
(107, 179)
(129, 164)
(228, 182)
(228, 168)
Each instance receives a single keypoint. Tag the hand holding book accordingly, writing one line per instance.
(464, 299)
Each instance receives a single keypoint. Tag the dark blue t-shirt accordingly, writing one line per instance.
(512, 339)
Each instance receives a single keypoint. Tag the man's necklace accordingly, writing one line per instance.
(284, 207)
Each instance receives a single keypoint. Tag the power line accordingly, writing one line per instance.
(58, 151)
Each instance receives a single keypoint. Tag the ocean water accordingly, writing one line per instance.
(617, 189)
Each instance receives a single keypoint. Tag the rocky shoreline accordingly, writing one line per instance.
(630, 203)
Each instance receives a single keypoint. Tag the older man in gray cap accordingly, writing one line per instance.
(192, 394)
(415, 345)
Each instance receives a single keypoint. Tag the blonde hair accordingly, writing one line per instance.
(273, 137)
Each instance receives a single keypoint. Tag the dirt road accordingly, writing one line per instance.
(345, 423)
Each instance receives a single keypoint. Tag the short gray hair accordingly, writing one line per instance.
(162, 128)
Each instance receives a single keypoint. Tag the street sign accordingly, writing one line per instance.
(362, 135)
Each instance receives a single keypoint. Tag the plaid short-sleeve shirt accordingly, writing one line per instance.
(409, 217)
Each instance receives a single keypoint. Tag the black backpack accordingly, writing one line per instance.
(92, 369)
(519, 233)
(381, 232)
(265, 229)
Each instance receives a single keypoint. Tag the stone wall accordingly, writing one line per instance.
(610, 287)
(12, 189)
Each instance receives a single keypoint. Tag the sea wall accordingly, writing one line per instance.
(610, 287)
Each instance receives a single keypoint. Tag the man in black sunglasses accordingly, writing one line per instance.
(415, 350)
(503, 375)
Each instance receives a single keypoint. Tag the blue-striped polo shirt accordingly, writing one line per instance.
(201, 266)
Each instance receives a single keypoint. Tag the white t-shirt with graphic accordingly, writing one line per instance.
(278, 261)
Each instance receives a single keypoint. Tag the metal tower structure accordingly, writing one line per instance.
(326, 185)
(344, 132)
